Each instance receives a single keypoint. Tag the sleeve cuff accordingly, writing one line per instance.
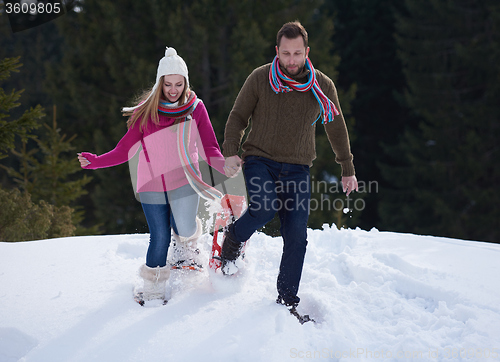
(218, 163)
(229, 150)
(92, 159)
(348, 168)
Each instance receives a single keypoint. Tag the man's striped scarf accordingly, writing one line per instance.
(280, 82)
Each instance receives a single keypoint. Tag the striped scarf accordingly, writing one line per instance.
(175, 111)
(225, 205)
(206, 191)
(281, 83)
(183, 116)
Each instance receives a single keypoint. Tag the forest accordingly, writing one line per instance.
(418, 82)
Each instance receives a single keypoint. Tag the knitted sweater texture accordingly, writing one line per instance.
(281, 124)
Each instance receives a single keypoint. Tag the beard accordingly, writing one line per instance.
(292, 69)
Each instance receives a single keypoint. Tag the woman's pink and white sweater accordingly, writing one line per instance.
(159, 167)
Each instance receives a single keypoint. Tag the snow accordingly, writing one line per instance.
(376, 296)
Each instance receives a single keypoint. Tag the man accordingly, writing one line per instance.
(284, 99)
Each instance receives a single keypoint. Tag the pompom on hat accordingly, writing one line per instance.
(171, 63)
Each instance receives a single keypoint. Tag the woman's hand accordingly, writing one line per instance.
(232, 166)
(83, 160)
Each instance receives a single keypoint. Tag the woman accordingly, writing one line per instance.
(167, 198)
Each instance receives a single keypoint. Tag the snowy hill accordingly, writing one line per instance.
(376, 295)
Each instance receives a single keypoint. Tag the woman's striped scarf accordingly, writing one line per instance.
(206, 191)
(280, 82)
(175, 111)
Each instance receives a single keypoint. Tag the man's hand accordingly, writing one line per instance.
(349, 184)
(232, 166)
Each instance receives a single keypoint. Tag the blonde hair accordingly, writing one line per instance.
(149, 107)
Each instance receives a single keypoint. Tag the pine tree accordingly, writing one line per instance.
(20, 218)
(53, 172)
(364, 41)
(446, 184)
(46, 169)
(98, 75)
(9, 129)
(23, 220)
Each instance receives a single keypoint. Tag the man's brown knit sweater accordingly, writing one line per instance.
(281, 127)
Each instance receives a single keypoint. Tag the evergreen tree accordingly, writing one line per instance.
(57, 166)
(20, 219)
(364, 41)
(110, 54)
(23, 220)
(9, 129)
(36, 47)
(45, 171)
(446, 184)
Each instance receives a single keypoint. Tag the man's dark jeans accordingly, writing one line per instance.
(283, 188)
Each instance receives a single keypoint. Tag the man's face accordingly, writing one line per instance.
(292, 54)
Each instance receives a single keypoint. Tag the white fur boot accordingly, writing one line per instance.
(185, 253)
(155, 280)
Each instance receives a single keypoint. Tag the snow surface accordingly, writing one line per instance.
(376, 295)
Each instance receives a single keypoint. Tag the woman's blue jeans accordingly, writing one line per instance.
(283, 188)
(176, 209)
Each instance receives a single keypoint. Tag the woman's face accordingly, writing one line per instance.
(173, 86)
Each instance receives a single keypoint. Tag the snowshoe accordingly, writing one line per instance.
(187, 265)
(184, 254)
(233, 207)
(139, 298)
(302, 318)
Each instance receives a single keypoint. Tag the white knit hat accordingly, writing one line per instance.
(171, 63)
